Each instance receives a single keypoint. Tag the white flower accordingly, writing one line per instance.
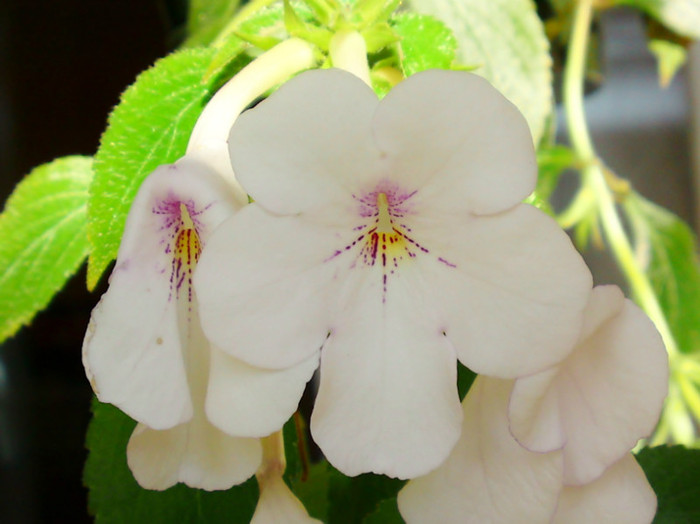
(488, 477)
(145, 351)
(391, 235)
(605, 396)
(278, 505)
(621, 495)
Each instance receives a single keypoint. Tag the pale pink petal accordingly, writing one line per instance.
(244, 400)
(264, 285)
(388, 400)
(305, 147)
(622, 495)
(608, 393)
(278, 505)
(460, 142)
(510, 289)
(488, 477)
(133, 348)
(195, 453)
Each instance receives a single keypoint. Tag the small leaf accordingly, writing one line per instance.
(507, 40)
(426, 43)
(206, 18)
(115, 497)
(673, 473)
(670, 57)
(680, 16)
(150, 126)
(552, 161)
(667, 250)
(44, 241)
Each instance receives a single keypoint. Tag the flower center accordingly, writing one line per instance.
(186, 250)
(384, 223)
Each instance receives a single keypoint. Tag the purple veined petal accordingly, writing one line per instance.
(460, 142)
(510, 289)
(488, 477)
(138, 333)
(604, 397)
(387, 400)
(622, 495)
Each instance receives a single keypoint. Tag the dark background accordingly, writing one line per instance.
(63, 64)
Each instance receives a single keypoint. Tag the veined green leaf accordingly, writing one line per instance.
(44, 240)
(387, 512)
(680, 16)
(353, 498)
(206, 18)
(426, 43)
(667, 250)
(506, 40)
(115, 497)
(150, 126)
(673, 473)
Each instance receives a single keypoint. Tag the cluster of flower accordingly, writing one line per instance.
(386, 241)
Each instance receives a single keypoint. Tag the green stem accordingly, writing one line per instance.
(594, 177)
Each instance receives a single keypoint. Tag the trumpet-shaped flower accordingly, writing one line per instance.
(621, 495)
(605, 396)
(389, 237)
(488, 477)
(145, 352)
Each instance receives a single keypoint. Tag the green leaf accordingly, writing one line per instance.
(206, 18)
(667, 250)
(426, 43)
(680, 16)
(229, 50)
(674, 473)
(353, 498)
(44, 240)
(506, 39)
(150, 126)
(313, 491)
(552, 161)
(387, 512)
(670, 57)
(115, 497)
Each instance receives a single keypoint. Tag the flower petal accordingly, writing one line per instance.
(622, 495)
(264, 288)
(488, 477)
(244, 400)
(195, 453)
(387, 400)
(278, 505)
(609, 391)
(510, 289)
(457, 139)
(302, 147)
(133, 349)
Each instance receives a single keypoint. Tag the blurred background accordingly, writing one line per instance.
(63, 65)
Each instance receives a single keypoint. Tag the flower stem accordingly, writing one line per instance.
(210, 133)
(274, 460)
(243, 14)
(594, 178)
(348, 51)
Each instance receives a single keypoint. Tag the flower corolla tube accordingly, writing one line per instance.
(145, 352)
(389, 239)
(489, 477)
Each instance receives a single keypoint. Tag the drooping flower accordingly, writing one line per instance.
(488, 477)
(391, 235)
(605, 396)
(621, 495)
(145, 352)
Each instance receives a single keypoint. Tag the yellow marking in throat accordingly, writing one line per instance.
(384, 224)
(185, 217)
